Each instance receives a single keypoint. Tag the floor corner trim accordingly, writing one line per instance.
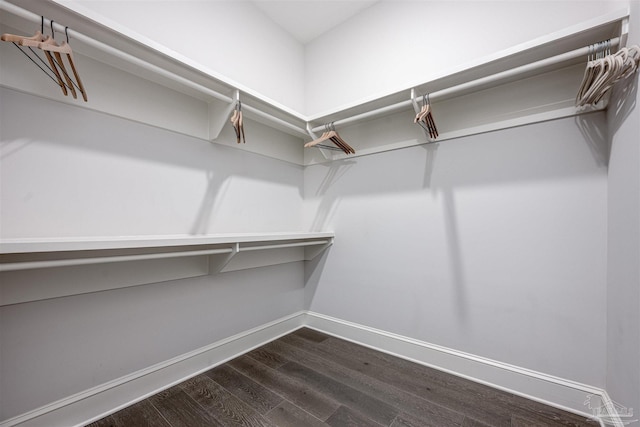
(95, 403)
(550, 390)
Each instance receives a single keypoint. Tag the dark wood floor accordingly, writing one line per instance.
(311, 379)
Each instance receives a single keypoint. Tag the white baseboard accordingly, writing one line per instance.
(613, 414)
(95, 403)
(98, 402)
(553, 391)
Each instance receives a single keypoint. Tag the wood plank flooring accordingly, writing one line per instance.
(311, 379)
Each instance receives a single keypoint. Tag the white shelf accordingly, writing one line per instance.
(37, 269)
(37, 245)
(205, 98)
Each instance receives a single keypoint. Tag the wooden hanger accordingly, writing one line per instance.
(49, 45)
(53, 53)
(425, 119)
(318, 141)
(331, 135)
(17, 39)
(35, 42)
(29, 41)
(237, 122)
(341, 143)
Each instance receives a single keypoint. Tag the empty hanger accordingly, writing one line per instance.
(237, 122)
(330, 134)
(425, 119)
(604, 70)
(33, 41)
(48, 45)
(65, 48)
(54, 66)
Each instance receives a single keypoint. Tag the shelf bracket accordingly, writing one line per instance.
(218, 115)
(216, 264)
(310, 252)
(624, 32)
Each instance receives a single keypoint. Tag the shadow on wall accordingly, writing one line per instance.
(312, 274)
(216, 189)
(95, 131)
(624, 95)
(179, 162)
(594, 130)
(328, 205)
(594, 127)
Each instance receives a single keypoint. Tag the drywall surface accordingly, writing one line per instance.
(76, 172)
(623, 293)
(394, 45)
(55, 348)
(234, 39)
(82, 173)
(493, 244)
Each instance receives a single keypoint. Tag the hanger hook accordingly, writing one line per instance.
(53, 33)
(66, 33)
(42, 24)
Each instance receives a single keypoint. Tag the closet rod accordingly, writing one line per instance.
(24, 265)
(273, 119)
(30, 16)
(466, 86)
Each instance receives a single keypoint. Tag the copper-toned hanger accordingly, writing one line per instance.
(30, 42)
(33, 41)
(425, 119)
(49, 45)
(330, 134)
(238, 124)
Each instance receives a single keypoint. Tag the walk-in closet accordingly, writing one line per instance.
(319, 213)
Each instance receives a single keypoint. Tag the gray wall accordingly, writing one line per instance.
(623, 293)
(81, 173)
(493, 244)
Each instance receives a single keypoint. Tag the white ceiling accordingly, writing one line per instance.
(307, 19)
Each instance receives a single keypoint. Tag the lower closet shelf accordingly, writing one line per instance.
(35, 269)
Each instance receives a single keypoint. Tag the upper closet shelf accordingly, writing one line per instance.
(530, 82)
(73, 266)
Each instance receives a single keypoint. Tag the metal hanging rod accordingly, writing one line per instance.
(275, 120)
(30, 16)
(470, 85)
